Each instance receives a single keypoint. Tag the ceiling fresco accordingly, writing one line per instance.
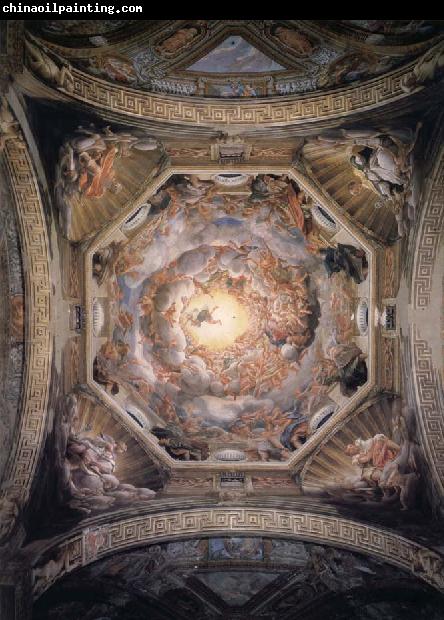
(229, 317)
(221, 286)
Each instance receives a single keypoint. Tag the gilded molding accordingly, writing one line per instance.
(38, 334)
(95, 543)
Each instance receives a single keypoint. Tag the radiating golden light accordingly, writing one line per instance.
(222, 307)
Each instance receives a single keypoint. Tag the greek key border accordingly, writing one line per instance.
(276, 111)
(426, 379)
(430, 404)
(385, 545)
(38, 333)
(427, 246)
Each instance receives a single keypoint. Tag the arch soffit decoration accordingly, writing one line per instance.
(24, 455)
(426, 377)
(97, 541)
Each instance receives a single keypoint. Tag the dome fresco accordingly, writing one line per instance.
(230, 318)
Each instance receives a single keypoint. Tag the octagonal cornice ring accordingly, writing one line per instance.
(337, 213)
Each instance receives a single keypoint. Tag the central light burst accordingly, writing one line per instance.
(215, 321)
